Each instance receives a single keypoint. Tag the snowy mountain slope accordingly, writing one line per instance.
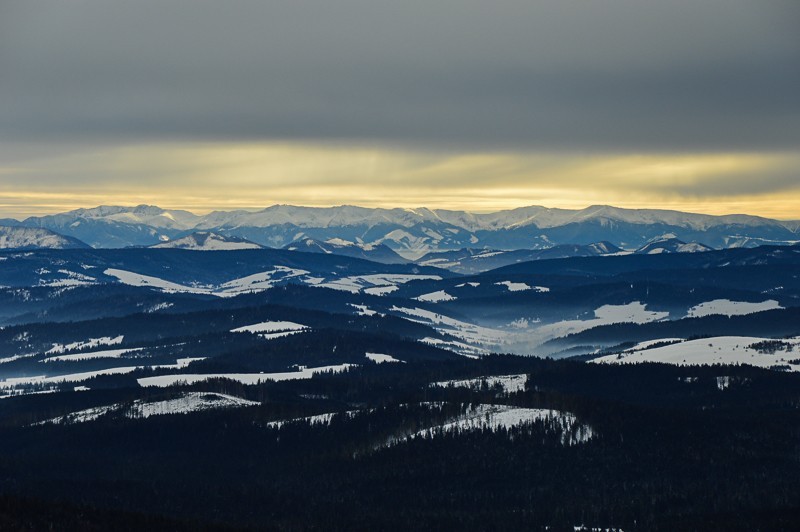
(470, 261)
(670, 244)
(185, 403)
(228, 273)
(34, 238)
(414, 232)
(374, 252)
(142, 215)
(205, 241)
(753, 351)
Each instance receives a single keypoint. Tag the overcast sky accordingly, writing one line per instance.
(199, 104)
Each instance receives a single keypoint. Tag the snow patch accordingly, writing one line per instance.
(163, 381)
(509, 383)
(435, 297)
(496, 417)
(726, 307)
(270, 327)
(717, 350)
(184, 404)
(91, 355)
(86, 344)
(380, 359)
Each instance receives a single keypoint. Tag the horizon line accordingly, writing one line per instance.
(411, 209)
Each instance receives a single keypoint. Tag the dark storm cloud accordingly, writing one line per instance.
(551, 75)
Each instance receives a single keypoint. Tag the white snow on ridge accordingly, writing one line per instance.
(270, 327)
(727, 307)
(380, 359)
(189, 402)
(86, 344)
(16, 357)
(381, 290)
(647, 344)
(716, 350)
(108, 353)
(272, 336)
(136, 279)
(509, 383)
(364, 310)
(258, 282)
(463, 349)
(495, 417)
(9, 385)
(519, 287)
(184, 404)
(375, 284)
(514, 287)
(70, 377)
(163, 381)
(476, 417)
(435, 297)
(634, 312)
(476, 336)
(319, 419)
(252, 283)
(203, 241)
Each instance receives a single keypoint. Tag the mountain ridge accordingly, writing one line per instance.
(414, 232)
(28, 238)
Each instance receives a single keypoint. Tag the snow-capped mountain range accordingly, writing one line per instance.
(414, 232)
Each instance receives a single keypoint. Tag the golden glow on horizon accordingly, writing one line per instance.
(205, 177)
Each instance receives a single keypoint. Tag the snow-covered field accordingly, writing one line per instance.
(184, 404)
(270, 327)
(634, 312)
(319, 419)
(86, 344)
(252, 283)
(9, 387)
(495, 417)
(435, 297)
(717, 350)
(521, 335)
(475, 417)
(163, 381)
(108, 353)
(374, 284)
(509, 383)
(364, 310)
(381, 290)
(475, 336)
(258, 282)
(379, 358)
(137, 279)
(464, 349)
(727, 307)
(519, 287)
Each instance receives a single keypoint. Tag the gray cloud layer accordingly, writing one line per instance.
(616, 75)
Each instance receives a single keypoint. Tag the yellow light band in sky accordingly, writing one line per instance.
(205, 177)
